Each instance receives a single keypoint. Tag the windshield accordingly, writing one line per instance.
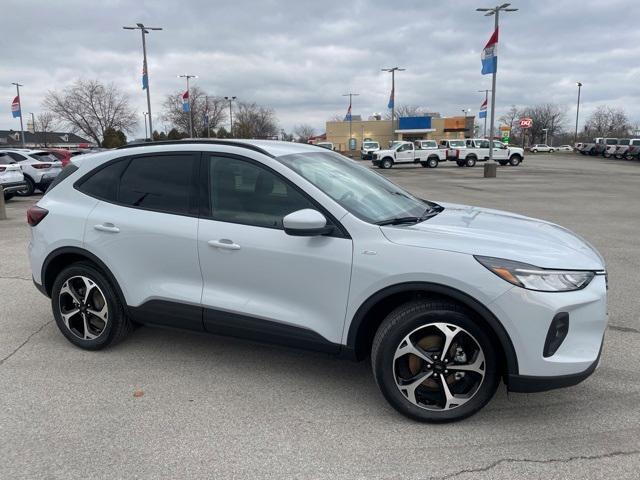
(364, 193)
(456, 143)
(370, 145)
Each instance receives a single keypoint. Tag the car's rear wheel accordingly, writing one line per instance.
(29, 189)
(87, 309)
(432, 162)
(470, 162)
(433, 363)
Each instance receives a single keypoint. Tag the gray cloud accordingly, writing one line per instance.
(299, 57)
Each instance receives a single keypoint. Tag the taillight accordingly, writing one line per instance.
(40, 166)
(35, 215)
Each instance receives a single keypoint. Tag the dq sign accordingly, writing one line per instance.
(526, 123)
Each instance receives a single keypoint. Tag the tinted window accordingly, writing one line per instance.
(162, 183)
(6, 159)
(103, 183)
(16, 156)
(243, 192)
(66, 171)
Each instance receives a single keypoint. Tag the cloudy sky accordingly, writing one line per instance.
(299, 57)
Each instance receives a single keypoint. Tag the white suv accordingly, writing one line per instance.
(39, 167)
(290, 244)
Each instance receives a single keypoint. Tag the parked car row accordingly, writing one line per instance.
(627, 148)
(466, 153)
(23, 171)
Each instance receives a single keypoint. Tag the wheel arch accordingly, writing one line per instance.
(62, 257)
(373, 311)
(471, 155)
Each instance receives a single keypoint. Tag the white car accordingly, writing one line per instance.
(11, 177)
(565, 148)
(368, 148)
(287, 243)
(541, 147)
(39, 167)
(327, 145)
(477, 150)
(407, 152)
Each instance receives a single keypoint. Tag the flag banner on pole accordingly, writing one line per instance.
(205, 119)
(489, 55)
(15, 107)
(347, 117)
(483, 110)
(185, 102)
(390, 104)
(145, 77)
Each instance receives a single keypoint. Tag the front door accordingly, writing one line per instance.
(259, 281)
(404, 153)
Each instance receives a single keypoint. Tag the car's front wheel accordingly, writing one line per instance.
(433, 363)
(386, 163)
(87, 309)
(28, 190)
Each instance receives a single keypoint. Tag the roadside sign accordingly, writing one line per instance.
(526, 123)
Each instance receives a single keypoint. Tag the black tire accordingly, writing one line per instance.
(117, 325)
(551, 150)
(424, 164)
(410, 317)
(432, 162)
(386, 163)
(515, 160)
(29, 189)
(470, 161)
(534, 151)
(503, 162)
(9, 196)
(460, 163)
(606, 155)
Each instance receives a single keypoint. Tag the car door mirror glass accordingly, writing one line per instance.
(306, 223)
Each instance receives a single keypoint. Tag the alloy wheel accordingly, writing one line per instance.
(83, 308)
(439, 366)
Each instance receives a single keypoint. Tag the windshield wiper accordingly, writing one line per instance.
(432, 211)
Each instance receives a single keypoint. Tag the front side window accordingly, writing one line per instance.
(246, 193)
(405, 147)
(357, 189)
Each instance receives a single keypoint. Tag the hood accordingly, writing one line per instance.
(494, 233)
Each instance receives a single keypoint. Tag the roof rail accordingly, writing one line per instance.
(206, 141)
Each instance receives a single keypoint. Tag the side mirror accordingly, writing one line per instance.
(306, 223)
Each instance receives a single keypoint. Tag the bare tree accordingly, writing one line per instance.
(549, 116)
(201, 104)
(254, 121)
(46, 122)
(91, 107)
(303, 132)
(407, 111)
(608, 121)
(511, 118)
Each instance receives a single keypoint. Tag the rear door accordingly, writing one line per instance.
(145, 229)
(258, 280)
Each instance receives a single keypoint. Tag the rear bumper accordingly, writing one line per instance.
(13, 186)
(531, 384)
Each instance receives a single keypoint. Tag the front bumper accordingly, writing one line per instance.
(527, 316)
(376, 162)
(13, 187)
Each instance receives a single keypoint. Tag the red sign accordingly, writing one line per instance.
(526, 123)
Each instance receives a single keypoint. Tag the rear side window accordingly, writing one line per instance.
(6, 159)
(103, 184)
(163, 183)
(66, 171)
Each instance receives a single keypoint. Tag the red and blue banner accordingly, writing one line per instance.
(489, 55)
(390, 104)
(185, 102)
(145, 77)
(483, 110)
(15, 107)
(347, 117)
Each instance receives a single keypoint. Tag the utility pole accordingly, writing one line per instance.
(230, 99)
(145, 125)
(575, 137)
(145, 68)
(392, 99)
(206, 114)
(350, 95)
(546, 136)
(496, 12)
(18, 85)
(188, 77)
(486, 101)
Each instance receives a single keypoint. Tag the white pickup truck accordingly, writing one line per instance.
(477, 150)
(407, 152)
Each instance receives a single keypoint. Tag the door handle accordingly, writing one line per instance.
(224, 243)
(107, 227)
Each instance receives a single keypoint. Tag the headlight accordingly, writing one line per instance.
(534, 278)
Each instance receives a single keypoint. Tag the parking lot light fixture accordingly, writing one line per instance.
(575, 136)
(230, 100)
(144, 30)
(392, 99)
(188, 77)
(495, 11)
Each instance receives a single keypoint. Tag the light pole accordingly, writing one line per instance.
(18, 85)
(145, 125)
(350, 95)
(575, 136)
(145, 69)
(230, 99)
(546, 135)
(486, 100)
(33, 122)
(188, 77)
(496, 12)
(392, 99)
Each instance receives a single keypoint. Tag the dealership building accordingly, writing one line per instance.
(405, 128)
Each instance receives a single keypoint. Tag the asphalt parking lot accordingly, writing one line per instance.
(214, 407)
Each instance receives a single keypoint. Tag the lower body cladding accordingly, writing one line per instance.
(557, 337)
(13, 187)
